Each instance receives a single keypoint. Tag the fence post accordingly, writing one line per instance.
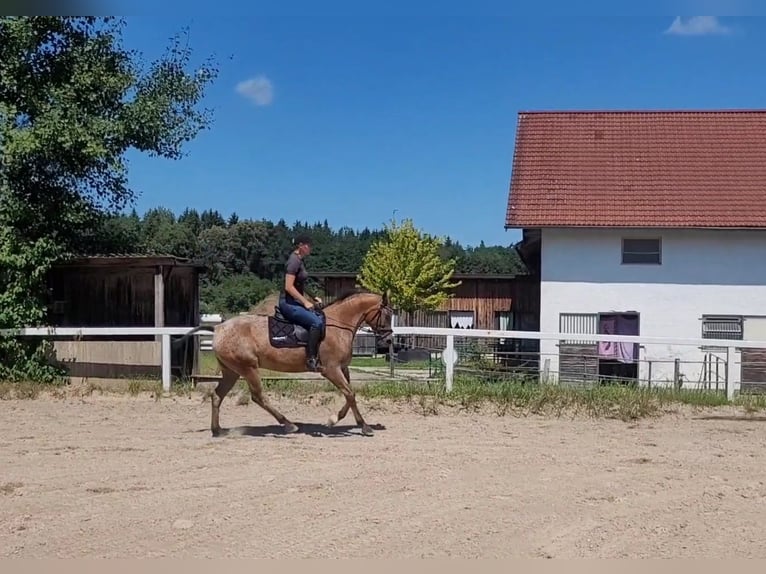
(449, 358)
(166, 362)
(649, 376)
(729, 372)
(677, 373)
(391, 356)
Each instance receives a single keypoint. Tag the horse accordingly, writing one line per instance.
(246, 343)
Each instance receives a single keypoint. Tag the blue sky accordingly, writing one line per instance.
(349, 114)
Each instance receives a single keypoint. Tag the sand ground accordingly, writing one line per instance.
(120, 476)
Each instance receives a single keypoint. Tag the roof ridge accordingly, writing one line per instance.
(705, 111)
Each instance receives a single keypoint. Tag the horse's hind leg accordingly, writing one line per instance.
(256, 393)
(228, 379)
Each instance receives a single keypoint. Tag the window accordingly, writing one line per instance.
(503, 320)
(461, 319)
(580, 323)
(641, 251)
(722, 327)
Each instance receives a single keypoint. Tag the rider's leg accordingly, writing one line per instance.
(310, 321)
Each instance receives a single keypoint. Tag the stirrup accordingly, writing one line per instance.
(313, 364)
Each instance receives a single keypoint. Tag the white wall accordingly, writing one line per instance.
(702, 272)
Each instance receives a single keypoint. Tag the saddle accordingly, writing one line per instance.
(283, 333)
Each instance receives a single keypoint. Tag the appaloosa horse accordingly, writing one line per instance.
(246, 343)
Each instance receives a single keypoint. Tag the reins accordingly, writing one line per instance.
(353, 328)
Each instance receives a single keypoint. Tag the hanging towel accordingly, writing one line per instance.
(626, 352)
(607, 349)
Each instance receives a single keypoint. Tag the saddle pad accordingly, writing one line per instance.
(282, 334)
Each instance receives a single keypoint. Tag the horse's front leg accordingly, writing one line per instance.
(339, 376)
(335, 419)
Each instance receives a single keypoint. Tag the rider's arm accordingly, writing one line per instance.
(308, 293)
(289, 288)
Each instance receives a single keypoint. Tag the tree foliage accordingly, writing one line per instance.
(235, 293)
(234, 246)
(72, 102)
(408, 266)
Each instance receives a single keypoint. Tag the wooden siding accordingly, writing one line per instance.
(104, 295)
(483, 296)
(98, 297)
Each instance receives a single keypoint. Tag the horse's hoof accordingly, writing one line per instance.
(291, 428)
(367, 431)
(332, 421)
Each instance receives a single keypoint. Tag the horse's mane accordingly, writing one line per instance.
(347, 293)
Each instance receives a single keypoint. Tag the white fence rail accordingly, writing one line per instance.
(163, 332)
(731, 348)
(449, 355)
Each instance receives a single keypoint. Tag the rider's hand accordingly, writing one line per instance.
(308, 304)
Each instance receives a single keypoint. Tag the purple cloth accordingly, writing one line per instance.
(607, 349)
(624, 352)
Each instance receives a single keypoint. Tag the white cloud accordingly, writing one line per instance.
(697, 26)
(258, 90)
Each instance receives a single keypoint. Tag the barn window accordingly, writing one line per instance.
(461, 319)
(504, 320)
(641, 251)
(722, 327)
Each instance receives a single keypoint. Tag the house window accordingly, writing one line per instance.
(641, 251)
(722, 327)
(580, 323)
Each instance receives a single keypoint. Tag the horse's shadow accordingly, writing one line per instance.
(746, 418)
(308, 429)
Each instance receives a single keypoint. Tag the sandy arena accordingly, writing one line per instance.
(112, 476)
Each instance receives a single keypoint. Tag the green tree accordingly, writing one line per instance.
(407, 265)
(73, 101)
(235, 294)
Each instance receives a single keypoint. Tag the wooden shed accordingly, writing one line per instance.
(123, 291)
(481, 301)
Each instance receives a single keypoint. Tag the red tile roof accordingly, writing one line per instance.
(639, 169)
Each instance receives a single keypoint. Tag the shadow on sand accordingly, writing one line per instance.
(309, 429)
(735, 418)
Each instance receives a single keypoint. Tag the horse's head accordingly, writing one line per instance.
(379, 319)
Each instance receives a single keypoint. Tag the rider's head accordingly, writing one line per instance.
(302, 244)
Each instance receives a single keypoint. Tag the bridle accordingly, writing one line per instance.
(380, 333)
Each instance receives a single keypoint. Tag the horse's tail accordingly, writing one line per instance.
(188, 334)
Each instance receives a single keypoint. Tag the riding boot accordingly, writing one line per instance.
(312, 361)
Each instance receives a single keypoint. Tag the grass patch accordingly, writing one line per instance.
(505, 397)
(24, 390)
(382, 363)
(513, 397)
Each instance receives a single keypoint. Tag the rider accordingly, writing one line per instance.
(293, 302)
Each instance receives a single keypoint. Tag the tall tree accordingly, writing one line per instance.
(407, 265)
(72, 102)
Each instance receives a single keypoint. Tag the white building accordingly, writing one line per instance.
(645, 223)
